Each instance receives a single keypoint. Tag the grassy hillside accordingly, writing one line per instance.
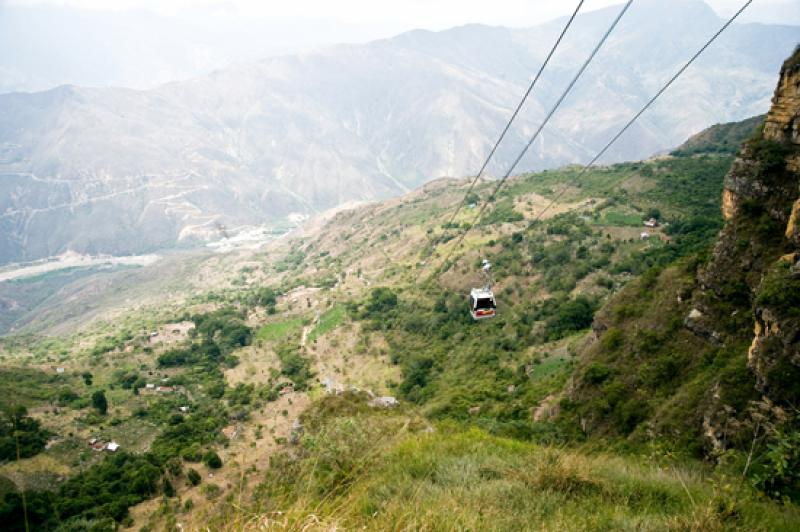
(722, 138)
(364, 303)
(356, 468)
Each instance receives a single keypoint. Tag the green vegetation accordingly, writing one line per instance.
(99, 402)
(193, 477)
(294, 365)
(565, 316)
(528, 420)
(358, 469)
(219, 333)
(95, 498)
(720, 139)
(212, 460)
(279, 330)
(503, 212)
(20, 435)
(452, 366)
(265, 297)
(328, 321)
(28, 387)
(780, 290)
(101, 494)
(224, 327)
(615, 218)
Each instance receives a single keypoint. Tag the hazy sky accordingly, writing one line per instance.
(407, 14)
(143, 43)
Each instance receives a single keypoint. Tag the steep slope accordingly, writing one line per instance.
(723, 138)
(123, 171)
(674, 357)
(354, 302)
(236, 347)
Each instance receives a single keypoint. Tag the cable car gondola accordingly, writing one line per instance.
(482, 304)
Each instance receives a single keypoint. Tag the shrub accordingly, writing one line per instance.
(193, 477)
(99, 402)
(192, 453)
(780, 291)
(168, 488)
(503, 212)
(778, 472)
(211, 491)
(571, 316)
(612, 339)
(66, 396)
(771, 155)
(597, 373)
(212, 459)
(380, 300)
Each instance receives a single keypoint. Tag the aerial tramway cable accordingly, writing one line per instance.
(616, 137)
(516, 111)
(539, 130)
(643, 109)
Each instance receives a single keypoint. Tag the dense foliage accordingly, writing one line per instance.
(219, 333)
(103, 493)
(20, 433)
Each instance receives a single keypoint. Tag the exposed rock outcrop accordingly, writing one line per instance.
(783, 121)
(755, 258)
(685, 353)
(775, 351)
(746, 180)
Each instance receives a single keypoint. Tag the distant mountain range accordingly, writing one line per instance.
(124, 171)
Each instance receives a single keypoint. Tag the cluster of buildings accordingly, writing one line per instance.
(652, 223)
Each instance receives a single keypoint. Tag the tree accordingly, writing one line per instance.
(212, 459)
(99, 402)
(381, 300)
(87, 378)
(169, 489)
(193, 477)
(20, 432)
(653, 213)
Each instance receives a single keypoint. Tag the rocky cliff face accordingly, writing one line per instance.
(752, 281)
(782, 126)
(688, 353)
(762, 201)
(783, 121)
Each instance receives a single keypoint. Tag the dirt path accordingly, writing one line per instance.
(307, 329)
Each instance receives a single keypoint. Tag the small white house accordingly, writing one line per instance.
(385, 402)
(652, 222)
(60, 370)
(112, 447)
(645, 235)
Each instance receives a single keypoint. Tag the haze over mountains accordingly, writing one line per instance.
(124, 171)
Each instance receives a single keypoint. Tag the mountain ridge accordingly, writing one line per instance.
(253, 143)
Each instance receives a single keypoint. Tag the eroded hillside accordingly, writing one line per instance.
(335, 378)
(242, 343)
(705, 352)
